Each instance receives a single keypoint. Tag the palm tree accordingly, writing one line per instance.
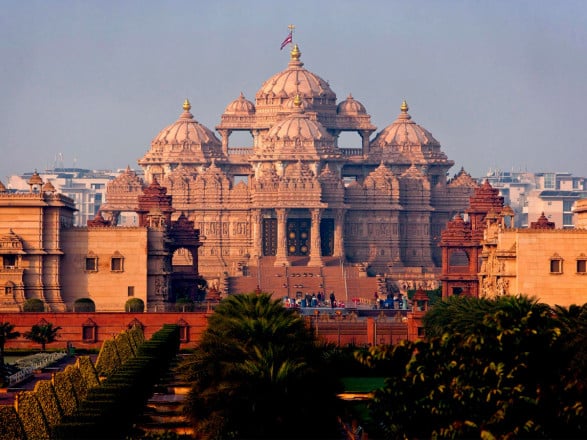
(6, 333)
(258, 372)
(43, 334)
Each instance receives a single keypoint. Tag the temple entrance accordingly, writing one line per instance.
(327, 237)
(298, 237)
(269, 237)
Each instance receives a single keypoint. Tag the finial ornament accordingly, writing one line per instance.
(295, 53)
(186, 105)
(404, 108)
(297, 100)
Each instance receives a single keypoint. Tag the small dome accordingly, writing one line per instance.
(35, 179)
(2, 187)
(186, 130)
(351, 106)
(239, 106)
(298, 126)
(405, 131)
(48, 187)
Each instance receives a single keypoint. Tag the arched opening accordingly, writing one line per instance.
(84, 305)
(349, 139)
(134, 305)
(458, 261)
(185, 287)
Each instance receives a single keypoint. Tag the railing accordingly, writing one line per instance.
(29, 364)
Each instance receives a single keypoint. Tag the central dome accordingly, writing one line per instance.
(294, 81)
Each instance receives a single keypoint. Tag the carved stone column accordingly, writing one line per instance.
(316, 245)
(256, 234)
(338, 250)
(225, 134)
(365, 141)
(281, 253)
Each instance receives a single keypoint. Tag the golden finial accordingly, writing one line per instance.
(404, 108)
(186, 105)
(291, 28)
(297, 101)
(295, 53)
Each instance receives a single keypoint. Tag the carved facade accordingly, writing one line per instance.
(294, 197)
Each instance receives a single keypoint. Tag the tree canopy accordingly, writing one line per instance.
(508, 368)
(259, 372)
(43, 334)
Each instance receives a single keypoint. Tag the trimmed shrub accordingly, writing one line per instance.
(108, 358)
(32, 416)
(33, 305)
(65, 393)
(84, 305)
(45, 394)
(137, 335)
(88, 371)
(77, 381)
(123, 346)
(134, 305)
(10, 425)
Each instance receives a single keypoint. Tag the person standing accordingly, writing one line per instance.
(332, 300)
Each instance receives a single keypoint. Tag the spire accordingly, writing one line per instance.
(404, 108)
(186, 105)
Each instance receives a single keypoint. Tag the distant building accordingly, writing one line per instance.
(532, 194)
(44, 256)
(484, 255)
(87, 189)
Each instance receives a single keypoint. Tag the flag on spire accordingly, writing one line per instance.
(287, 40)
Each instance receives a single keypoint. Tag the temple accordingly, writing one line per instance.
(294, 200)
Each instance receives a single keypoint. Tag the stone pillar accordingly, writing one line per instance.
(316, 245)
(225, 134)
(338, 250)
(365, 141)
(256, 234)
(281, 253)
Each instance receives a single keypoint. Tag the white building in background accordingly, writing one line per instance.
(531, 194)
(86, 187)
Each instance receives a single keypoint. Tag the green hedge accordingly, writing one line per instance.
(45, 394)
(32, 417)
(110, 409)
(10, 425)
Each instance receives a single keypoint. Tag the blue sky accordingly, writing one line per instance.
(500, 84)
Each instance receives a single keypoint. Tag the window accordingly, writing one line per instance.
(568, 205)
(9, 261)
(582, 266)
(91, 264)
(117, 263)
(556, 265)
(131, 290)
(89, 331)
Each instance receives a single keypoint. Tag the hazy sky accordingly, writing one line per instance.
(500, 84)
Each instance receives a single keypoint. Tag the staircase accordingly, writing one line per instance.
(347, 282)
(163, 411)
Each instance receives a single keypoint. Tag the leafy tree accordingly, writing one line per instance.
(489, 369)
(43, 334)
(258, 372)
(6, 333)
